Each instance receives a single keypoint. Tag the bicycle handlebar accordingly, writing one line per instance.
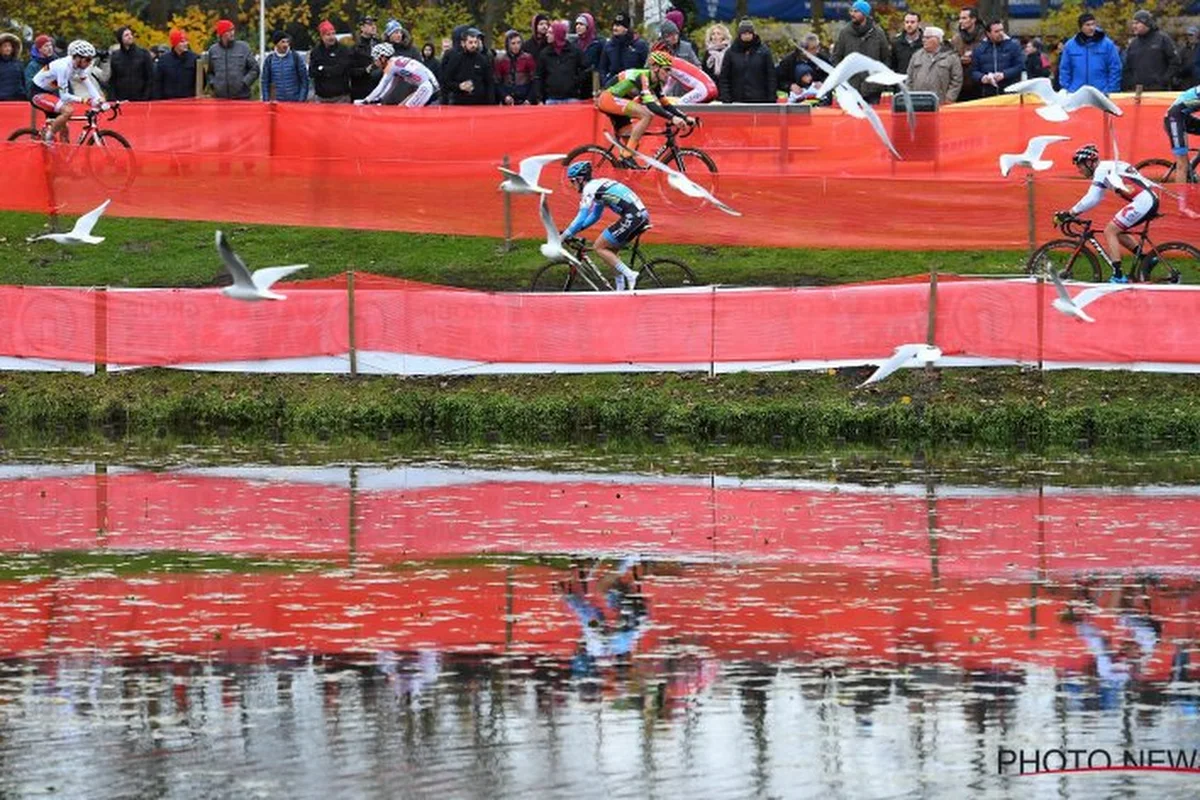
(1076, 226)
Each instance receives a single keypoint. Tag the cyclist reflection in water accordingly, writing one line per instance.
(1116, 660)
(610, 630)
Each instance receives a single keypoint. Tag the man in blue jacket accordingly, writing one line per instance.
(1090, 59)
(997, 62)
(623, 51)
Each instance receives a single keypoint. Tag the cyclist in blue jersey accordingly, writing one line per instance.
(1180, 121)
(595, 196)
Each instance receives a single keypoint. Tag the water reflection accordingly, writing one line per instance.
(351, 631)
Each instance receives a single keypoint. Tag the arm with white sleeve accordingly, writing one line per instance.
(1090, 200)
(382, 88)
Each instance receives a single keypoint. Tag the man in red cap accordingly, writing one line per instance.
(329, 67)
(41, 55)
(175, 70)
(232, 68)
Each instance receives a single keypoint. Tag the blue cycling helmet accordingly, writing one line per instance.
(580, 171)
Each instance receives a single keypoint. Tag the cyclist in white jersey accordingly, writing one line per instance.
(408, 70)
(52, 92)
(1128, 184)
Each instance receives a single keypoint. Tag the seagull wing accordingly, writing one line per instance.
(904, 354)
(1008, 161)
(83, 225)
(850, 101)
(552, 237)
(233, 264)
(877, 126)
(531, 168)
(264, 279)
(1038, 144)
(847, 68)
(1090, 96)
(886, 77)
(508, 173)
(1096, 292)
(1059, 287)
(1038, 86)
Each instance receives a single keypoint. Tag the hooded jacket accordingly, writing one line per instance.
(231, 70)
(175, 76)
(460, 66)
(621, 53)
(515, 73)
(870, 40)
(363, 76)
(560, 67)
(590, 45)
(1150, 61)
(12, 73)
(747, 73)
(131, 75)
(533, 45)
(1090, 61)
(1005, 57)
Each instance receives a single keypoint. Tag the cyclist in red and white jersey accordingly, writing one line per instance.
(699, 87)
(405, 69)
(1128, 184)
(52, 92)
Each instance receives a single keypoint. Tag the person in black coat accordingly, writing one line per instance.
(329, 66)
(467, 73)
(131, 69)
(748, 69)
(623, 51)
(175, 70)
(363, 75)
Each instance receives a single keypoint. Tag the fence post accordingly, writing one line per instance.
(101, 473)
(101, 334)
(507, 211)
(712, 335)
(1031, 212)
(931, 320)
(350, 323)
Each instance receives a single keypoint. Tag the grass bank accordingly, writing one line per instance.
(147, 252)
(997, 408)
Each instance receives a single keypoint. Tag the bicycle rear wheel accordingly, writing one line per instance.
(1159, 170)
(559, 276)
(110, 160)
(25, 133)
(698, 167)
(604, 164)
(666, 273)
(1178, 262)
(1059, 255)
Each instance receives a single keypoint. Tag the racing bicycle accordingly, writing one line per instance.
(1162, 170)
(693, 161)
(578, 273)
(1076, 257)
(106, 154)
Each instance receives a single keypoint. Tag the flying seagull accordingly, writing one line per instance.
(247, 286)
(1032, 157)
(1074, 307)
(905, 354)
(877, 72)
(553, 248)
(849, 99)
(1059, 105)
(681, 182)
(526, 180)
(82, 232)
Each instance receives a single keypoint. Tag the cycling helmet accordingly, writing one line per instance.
(382, 50)
(659, 58)
(81, 49)
(1086, 153)
(580, 171)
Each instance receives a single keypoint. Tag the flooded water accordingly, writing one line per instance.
(435, 631)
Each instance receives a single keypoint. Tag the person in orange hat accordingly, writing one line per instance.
(175, 70)
(329, 67)
(232, 68)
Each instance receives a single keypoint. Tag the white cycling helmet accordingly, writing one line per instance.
(382, 50)
(81, 48)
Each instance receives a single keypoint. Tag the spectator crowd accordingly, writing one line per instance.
(561, 61)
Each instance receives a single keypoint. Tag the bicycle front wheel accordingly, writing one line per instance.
(1178, 262)
(25, 133)
(110, 160)
(666, 273)
(1060, 255)
(1159, 170)
(559, 276)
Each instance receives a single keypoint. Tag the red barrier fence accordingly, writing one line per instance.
(401, 327)
(800, 180)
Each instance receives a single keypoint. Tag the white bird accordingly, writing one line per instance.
(82, 232)
(877, 72)
(553, 248)
(850, 100)
(1032, 157)
(680, 182)
(1059, 105)
(526, 180)
(1074, 307)
(245, 285)
(916, 354)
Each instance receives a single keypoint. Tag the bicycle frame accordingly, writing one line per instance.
(1088, 236)
(588, 271)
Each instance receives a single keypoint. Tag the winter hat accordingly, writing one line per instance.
(177, 37)
(622, 20)
(676, 16)
(1085, 17)
(746, 26)
(279, 36)
(326, 27)
(121, 32)
(223, 27)
(667, 28)
(392, 27)
(935, 32)
(1192, 31)
(800, 71)
(862, 7)
(1145, 17)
